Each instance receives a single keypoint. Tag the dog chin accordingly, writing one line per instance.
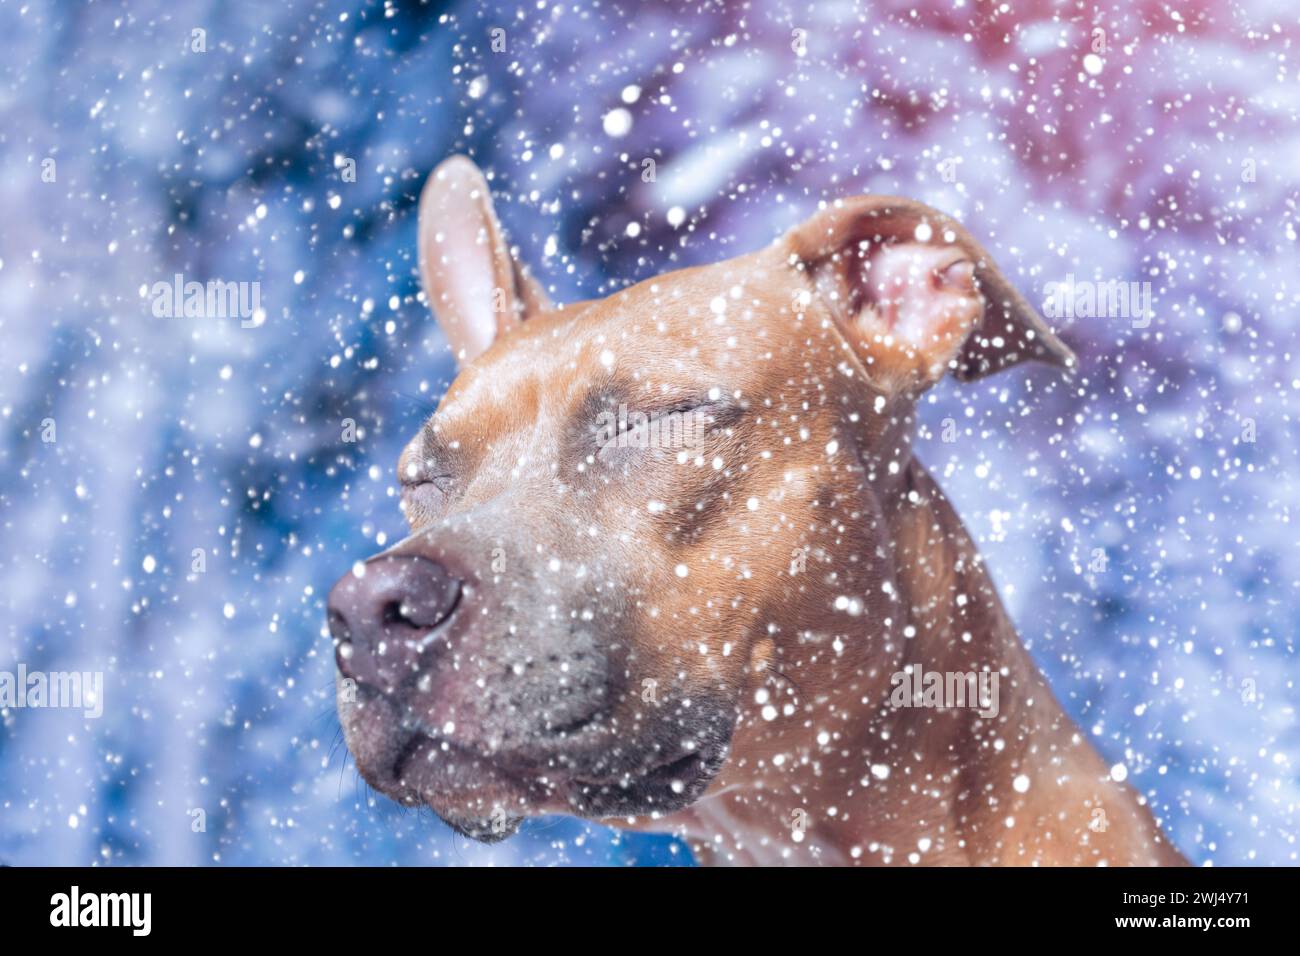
(484, 799)
(657, 792)
(484, 830)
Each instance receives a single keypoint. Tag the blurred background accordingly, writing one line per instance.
(179, 527)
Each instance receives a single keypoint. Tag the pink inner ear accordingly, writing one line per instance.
(924, 295)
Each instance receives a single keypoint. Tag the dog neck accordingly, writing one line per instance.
(935, 785)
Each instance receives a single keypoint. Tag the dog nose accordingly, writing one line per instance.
(381, 613)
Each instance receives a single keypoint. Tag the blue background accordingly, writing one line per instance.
(1168, 159)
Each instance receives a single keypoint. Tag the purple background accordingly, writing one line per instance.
(176, 434)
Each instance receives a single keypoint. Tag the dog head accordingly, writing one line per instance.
(648, 532)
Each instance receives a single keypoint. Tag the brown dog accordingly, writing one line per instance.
(673, 565)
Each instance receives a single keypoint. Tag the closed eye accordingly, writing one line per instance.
(442, 483)
(685, 426)
(424, 493)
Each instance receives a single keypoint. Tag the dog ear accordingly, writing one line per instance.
(475, 286)
(916, 294)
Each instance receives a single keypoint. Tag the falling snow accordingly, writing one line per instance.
(180, 492)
